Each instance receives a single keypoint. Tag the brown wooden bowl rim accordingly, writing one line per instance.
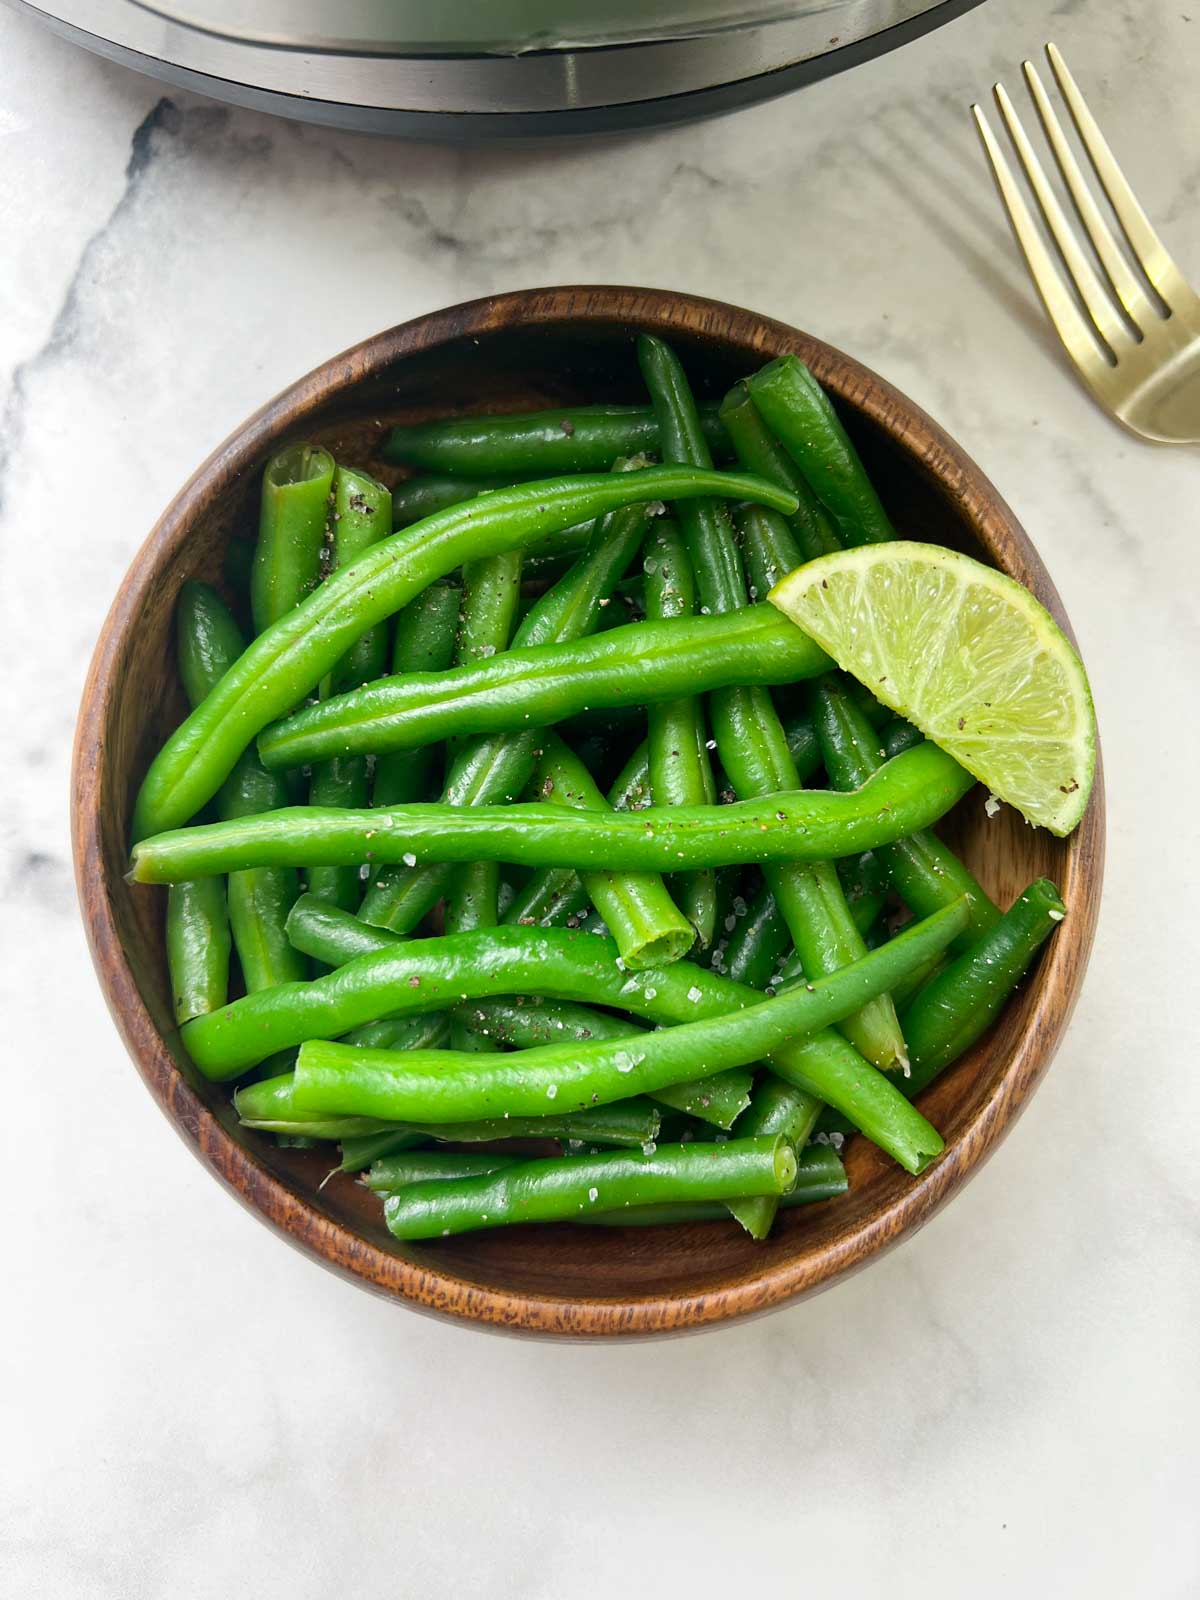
(321, 1236)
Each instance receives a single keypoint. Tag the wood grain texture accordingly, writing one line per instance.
(515, 352)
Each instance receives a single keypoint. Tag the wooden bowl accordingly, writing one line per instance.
(518, 352)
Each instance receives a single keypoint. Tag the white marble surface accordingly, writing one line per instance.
(1007, 1404)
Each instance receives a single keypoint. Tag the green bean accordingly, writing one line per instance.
(197, 928)
(208, 640)
(361, 518)
(418, 498)
(271, 1105)
(198, 944)
(819, 1176)
(561, 1188)
(799, 413)
(294, 520)
(491, 590)
(259, 901)
(331, 935)
(865, 881)
(758, 943)
(555, 897)
(524, 1024)
(342, 782)
(290, 658)
(908, 793)
(538, 444)
(812, 531)
(782, 1111)
(961, 1002)
(552, 898)
(423, 975)
(397, 1171)
(428, 1031)
(291, 532)
(360, 1150)
(898, 735)
(750, 738)
(638, 663)
(925, 872)
(769, 550)
(447, 1086)
(645, 923)
(680, 770)
(425, 636)
(497, 767)
(256, 902)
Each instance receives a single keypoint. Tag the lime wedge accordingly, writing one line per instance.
(966, 654)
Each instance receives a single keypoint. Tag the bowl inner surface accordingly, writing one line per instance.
(568, 359)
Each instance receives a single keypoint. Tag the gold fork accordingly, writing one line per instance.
(1134, 335)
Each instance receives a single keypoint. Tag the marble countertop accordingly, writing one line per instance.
(1006, 1404)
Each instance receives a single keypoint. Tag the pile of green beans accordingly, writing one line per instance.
(591, 914)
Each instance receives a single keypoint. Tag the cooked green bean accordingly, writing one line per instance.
(757, 943)
(575, 605)
(799, 413)
(362, 516)
(491, 591)
(291, 532)
(425, 636)
(198, 945)
(645, 923)
(925, 872)
(898, 735)
(497, 767)
(418, 498)
(780, 1110)
(719, 1099)
(208, 640)
(257, 902)
(290, 658)
(552, 898)
(423, 975)
(397, 1171)
(555, 897)
(270, 1106)
(750, 738)
(908, 793)
(812, 531)
(819, 1176)
(639, 663)
(329, 934)
(429, 1030)
(562, 1188)
(538, 444)
(680, 769)
(958, 1005)
(447, 1086)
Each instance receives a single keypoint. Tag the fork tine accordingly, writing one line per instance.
(1125, 285)
(1079, 269)
(1147, 247)
(1066, 316)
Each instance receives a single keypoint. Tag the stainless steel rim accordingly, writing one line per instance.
(539, 83)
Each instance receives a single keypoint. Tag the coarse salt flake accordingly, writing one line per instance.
(409, 859)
